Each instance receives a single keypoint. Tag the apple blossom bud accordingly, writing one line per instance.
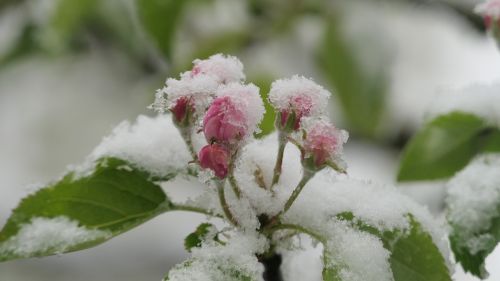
(186, 98)
(234, 114)
(216, 158)
(224, 122)
(323, 144)
(490, 11)
(296, 98)
(182, 110)
(225, 69)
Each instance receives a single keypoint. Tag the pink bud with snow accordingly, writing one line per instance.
(186, 98)
(224, 69)
(490, 11)
(295, 98)
(216, 158)
(234, 114)
(323, 143)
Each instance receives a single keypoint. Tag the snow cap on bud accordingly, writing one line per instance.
(234, 114)
(186, 98)
(490, 11)
(225, 69)
(323, 144)
(295, 98)
(216, 158)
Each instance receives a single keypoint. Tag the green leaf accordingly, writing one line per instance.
(414, 256)
(362, 95)
(80, 212)
(445, 145)
(195, 239)
(475, 262)
(160, 18)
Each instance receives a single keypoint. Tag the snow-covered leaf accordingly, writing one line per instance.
(160, 18)
(474, 212)
(413, 256)
(234, 261)
(445, 145)
(81, 211)
(200, 270)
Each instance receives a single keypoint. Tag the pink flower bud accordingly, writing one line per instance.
(225, 69)
(182, 110)
(490, 11)
(216, 158)
(234, 114)
(295, 98)
(323, 142)
(224, 122)
(186, 98)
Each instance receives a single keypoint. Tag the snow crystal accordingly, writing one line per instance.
(299, 93)
(473, 196)
(225, 69)
(247, 99)
(49, 235)
(200, 89)
(480, 99)
(221, 263)
(151, 143)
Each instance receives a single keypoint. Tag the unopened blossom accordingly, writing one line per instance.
(186, 98)
(295, 98)
(216, 158)
(323, 143)
(490, 11)
(234, 114)
(225, 69)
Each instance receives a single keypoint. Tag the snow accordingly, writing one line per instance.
(473, 196)
(151, 143)
(224, 68)
(222, 263)
(56, 235)
(359, 255)
(299, 93)
(481, 99)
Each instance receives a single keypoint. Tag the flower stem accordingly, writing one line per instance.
(305, 178)
(233, 182)
(181, 207)
(308, 174)
(223, 202)
(282, 140)
(186, 134)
